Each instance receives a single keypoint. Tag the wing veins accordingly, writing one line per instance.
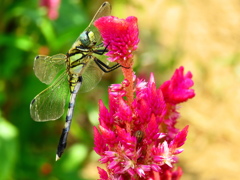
(104, 7)
(44, 98)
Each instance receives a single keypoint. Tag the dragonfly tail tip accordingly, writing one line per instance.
(57, 157)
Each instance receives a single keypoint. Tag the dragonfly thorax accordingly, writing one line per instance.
(87, 38)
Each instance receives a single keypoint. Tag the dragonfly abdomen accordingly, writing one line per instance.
(63, 140)
(73, 80)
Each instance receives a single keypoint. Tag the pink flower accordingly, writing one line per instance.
(120, 36)
(137, 138)
(140, 140)
(52, 8)
(177, 89)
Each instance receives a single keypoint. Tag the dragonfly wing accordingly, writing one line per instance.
(49, 104)
(47, 67)
(104, 10)
(91, 76)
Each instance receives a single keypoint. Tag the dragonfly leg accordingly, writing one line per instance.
(101, 51)
(102, 65)
(99, 45)
(105, 68)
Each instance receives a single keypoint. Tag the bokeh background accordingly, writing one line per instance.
(203, 36)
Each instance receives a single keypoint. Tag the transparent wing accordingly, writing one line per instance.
(47, 67)
(104, 10)
(91, 76)
(49, 104)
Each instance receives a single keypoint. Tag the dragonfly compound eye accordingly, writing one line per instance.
(84, 38)
(87, 39)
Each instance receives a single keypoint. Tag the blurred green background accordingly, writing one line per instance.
(203, 36)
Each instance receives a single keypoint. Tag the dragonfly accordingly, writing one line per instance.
(79, 70)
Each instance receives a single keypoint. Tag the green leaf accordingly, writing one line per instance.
(8, 148)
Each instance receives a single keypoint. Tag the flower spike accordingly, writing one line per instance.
(137, 138)
(139, 141)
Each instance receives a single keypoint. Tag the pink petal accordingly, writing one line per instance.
(177, 90)
(179, 139)
(103, 174)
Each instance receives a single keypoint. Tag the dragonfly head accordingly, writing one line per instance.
(87, 38)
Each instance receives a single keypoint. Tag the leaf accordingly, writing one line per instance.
(8, 148)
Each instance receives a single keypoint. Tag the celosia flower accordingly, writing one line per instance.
(120, 36)
(137, 138)
(154, 154)
(52, 8)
